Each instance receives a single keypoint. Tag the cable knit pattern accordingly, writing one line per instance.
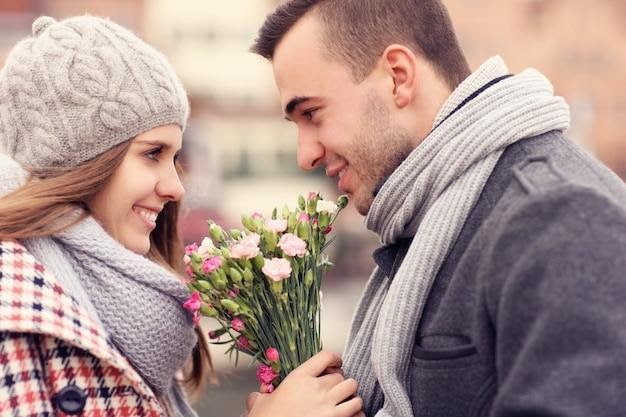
(429, 198)
(78, 87)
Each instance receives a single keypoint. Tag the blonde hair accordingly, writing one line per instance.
(47, 204)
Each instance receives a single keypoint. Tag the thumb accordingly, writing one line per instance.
(252, 397)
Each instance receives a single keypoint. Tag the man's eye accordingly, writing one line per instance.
(309, 114)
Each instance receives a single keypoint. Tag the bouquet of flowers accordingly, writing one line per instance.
(262, 284)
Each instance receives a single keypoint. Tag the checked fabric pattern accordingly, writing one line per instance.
(48, 342)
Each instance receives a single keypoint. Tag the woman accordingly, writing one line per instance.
(91, 316)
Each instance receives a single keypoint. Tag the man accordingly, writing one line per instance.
(501, 276)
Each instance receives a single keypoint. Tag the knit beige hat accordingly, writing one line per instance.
(80, 86)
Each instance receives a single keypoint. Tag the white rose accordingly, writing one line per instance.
(326, 205)
(205, 247)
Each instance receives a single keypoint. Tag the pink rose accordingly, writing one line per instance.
(276, 225)
(303, 217)
(277, 269)
(189, 249)
(243, 343)
(312, 195)
(248, 247)
(265, 374)
(272, 354)
(292, 245)
(211, 264)
(237, 324)
(193, 303)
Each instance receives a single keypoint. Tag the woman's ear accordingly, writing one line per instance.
(400, 64)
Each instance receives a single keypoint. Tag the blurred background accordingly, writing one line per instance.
(240, 154)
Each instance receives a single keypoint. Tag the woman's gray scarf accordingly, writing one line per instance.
(138, 302)
(429, 197)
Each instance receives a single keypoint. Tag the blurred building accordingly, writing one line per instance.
(577, 44)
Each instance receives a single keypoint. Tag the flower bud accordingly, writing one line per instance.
(286, 211)
(342, 201)
(218, 281)
(195, 259)
(270, 240)
(301, 202)
(235, 276)
(203, 285)
(303, 231)
(323, 220)
(311, 206)
(258, 261)
(208, 310)
(242, 343)
(247, 276)
(308, 278)
(216, 232)
(245, 263)
(248, 223)
(272, 355)
(230, 305)
(215, 334)
(292, 222)
(235, 234)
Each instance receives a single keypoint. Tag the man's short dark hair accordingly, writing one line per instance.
(356, 32)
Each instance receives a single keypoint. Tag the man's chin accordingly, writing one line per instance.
(362, 202)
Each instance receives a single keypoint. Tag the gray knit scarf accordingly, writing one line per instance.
(429, 197)
(138, 302)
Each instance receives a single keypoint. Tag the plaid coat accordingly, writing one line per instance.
(55, 360)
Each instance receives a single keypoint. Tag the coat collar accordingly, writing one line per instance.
(33, 301)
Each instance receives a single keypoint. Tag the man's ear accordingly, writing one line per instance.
(400, 64)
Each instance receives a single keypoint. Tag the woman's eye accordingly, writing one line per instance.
(154, 153)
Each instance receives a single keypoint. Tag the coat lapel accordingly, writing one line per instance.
(33, 301)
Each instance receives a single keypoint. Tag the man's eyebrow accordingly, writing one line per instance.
(293, 103)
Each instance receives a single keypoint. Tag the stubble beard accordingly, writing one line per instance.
(379, 148)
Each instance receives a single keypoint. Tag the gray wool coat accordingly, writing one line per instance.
(527, 316)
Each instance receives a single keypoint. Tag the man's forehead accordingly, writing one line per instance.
(299, 48)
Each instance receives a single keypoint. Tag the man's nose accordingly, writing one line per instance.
(310, 151)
